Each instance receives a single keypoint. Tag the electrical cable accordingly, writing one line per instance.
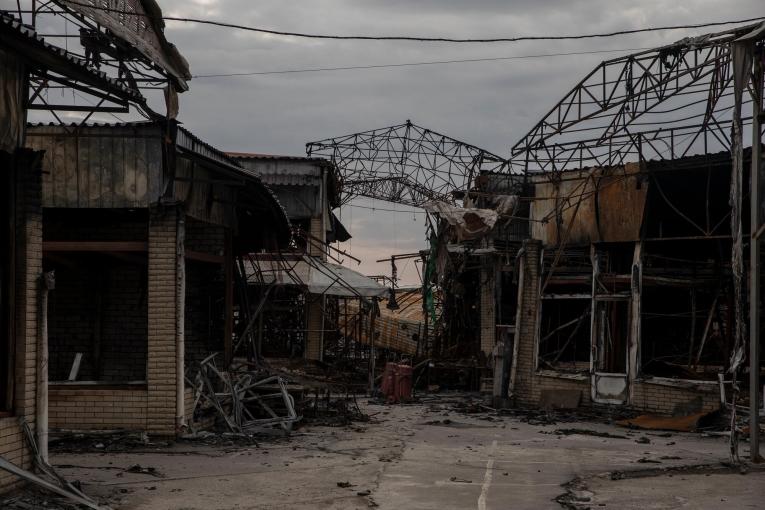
(412, 64)
(412, 38)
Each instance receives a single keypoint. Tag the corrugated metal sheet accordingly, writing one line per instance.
(114, 166)
(395, 328)
(283, 170)
(611, 210)
(317, 277)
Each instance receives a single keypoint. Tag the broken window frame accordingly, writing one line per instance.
(539, 339)
(545, 277)
(609, 286)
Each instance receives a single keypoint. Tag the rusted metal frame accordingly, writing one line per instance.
(537, 135)
(534, 138)
(719, 133)
(83, 21)
(428, 164)
(212, 397)
(634, 113)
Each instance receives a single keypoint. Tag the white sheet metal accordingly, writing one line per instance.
(319, 277)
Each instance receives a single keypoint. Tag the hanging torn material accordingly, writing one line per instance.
(468, 223)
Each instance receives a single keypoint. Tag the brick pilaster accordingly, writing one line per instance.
(526, 326)
(162, 296)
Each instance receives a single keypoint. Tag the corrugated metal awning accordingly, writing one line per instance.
(316, 276)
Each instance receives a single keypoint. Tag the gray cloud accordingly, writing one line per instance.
(491, 104)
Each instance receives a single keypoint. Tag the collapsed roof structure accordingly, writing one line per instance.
(642, 159)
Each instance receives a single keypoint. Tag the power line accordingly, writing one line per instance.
(413, 38)
(413, 211)
(411, 64)
(458, 40)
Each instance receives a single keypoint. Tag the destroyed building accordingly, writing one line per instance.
(32, 66)
(141, 223)
(625, 298)
(334, 299)
(604, 259)
(639, 283)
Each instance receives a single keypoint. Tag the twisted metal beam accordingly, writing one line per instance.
(405, 164)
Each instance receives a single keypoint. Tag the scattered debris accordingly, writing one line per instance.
(137, 468)
(688, 423)
(240, 396)
(587, 432)
(61, 489)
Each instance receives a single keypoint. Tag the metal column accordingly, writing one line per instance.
(754, 265)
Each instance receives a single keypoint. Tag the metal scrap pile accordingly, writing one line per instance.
(245, 400)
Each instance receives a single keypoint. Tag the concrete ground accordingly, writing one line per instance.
(426, 457)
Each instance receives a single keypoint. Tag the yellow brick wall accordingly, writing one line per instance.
(28, 271)
(161, 374)
(86, 408)
(662, 398)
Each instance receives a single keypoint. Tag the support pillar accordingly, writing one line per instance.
(755, 397)
(161, 370)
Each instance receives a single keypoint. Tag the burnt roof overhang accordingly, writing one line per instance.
(44, 57)
(141, 25)
(259, 208)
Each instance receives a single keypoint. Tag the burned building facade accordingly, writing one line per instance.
(626, 292)
(308, 188)
(141, 224)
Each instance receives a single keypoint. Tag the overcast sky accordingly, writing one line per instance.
(489, 104)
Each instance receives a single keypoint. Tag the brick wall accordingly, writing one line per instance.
(662, 398)
(98, 408)
(162, 338)
(28, 270)
(524, 387)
